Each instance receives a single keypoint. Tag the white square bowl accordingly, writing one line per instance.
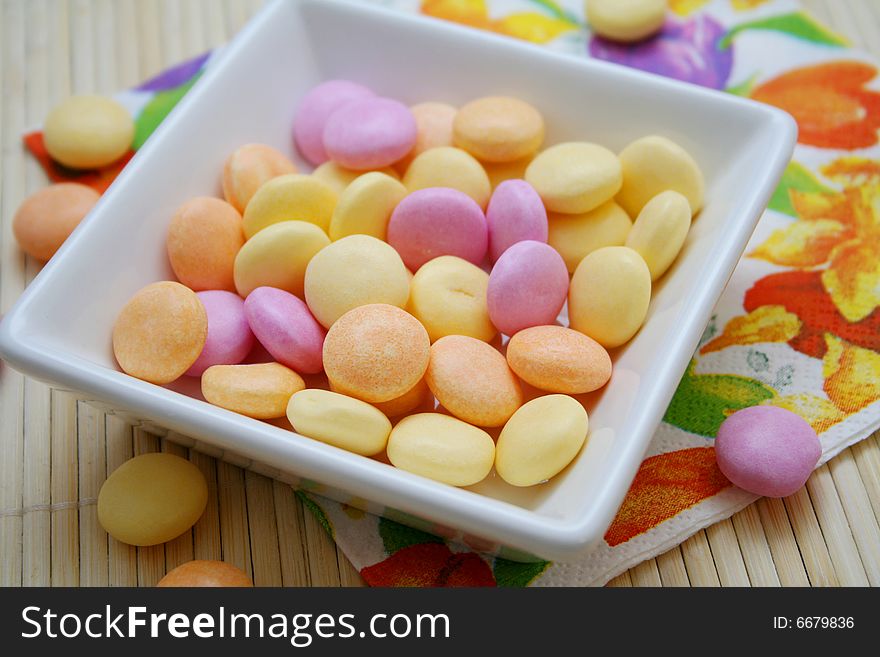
(59, 330)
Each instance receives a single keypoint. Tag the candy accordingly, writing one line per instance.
(660, 230)
(88, 132)
(498, 129)
(314, 110)
(609, 295)
(575, 177)
(259, 391)
(438, 221)
(376, 352)
(472, 381)
(654, 164)
(48, 217)
(229, 337)
(248, 168)
(576, 235)
(448, 296)
(366, 206)
(441, 448)
(160, 332)
(434, 128)
(767, 450)
(630, 20)
(498, 172)
(408, 401)
(339, 177)
(291, 197)
(151, 499)
(203, 239)
(449, 167)
(515, 213)
(286, 328)
(277, 256)
(558, 359)
(339, 420)
(354, 271)
(202, 573)
(527, 287)
(540, 439)
(370, 133)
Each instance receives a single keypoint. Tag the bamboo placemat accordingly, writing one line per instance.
(56, 450)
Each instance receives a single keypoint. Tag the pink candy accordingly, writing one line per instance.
(370, 133)
(286, 328)
(229, 336)
(515, 213)
(314, 110)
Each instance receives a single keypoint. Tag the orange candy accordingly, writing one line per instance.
(203, 573)
(434, 124)
(248, 168)
(48, 217)
(408, 401)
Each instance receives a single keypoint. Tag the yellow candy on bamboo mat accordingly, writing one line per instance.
(609, 295)
(291, 197)
(339, 177)
(442, 448)
(576, 235)
(339, 420)
(449, 167)
(434, 125)
(248, 168)
(351, 272)
(408, 401)
(48, 217)
(160, 332)
(259, 391)
(654, 164)
(498, 172)
(660, 230)
(365, 206)
(151, 499)
(540, 439)
(277, 256)
(626, 20)
(88, 132)
(205, 573)
(498, 129)
(575, 177)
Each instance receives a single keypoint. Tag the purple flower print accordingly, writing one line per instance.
(176, 76)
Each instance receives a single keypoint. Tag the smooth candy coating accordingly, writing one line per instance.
(351, 272)
(445, 166)
(277, 256)
(339, 177)
(88, 132)
(575, 177)
(576, 235)
(376, 352)
(203, 238)
(339, 420)
(654, 164)
(248, 168)
(434, 126)
(407, 402)
(558, 359)
(498, 129)
(448, 296)
(292, 197)
(438, 221)
(441, 448)
(48, 217)
(609, 295)
(660, 230)
(472, 381)
(626, 20)
(314, 110)
(527, 287)
(767, 450)
(229, 337)
(370, 133)
(515, 213)
(498, 172)
(152, 499)
(204, 574)
(160, 332)
(260, 391)
(286, 328)
(366, 205)
(540, 439)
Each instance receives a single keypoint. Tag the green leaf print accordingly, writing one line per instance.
(798, 24)
(516, 573)
(798, 178)
(155, 111)
(318, 512)
(396, 536)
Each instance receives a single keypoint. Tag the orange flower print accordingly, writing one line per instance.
(429, 565)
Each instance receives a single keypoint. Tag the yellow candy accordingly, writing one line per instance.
(259, 391)
(498, 172)
(434, 124)
(609, 295)
(351, 272)
(290, 197)
(277, 256)
(87, 132)
(575, 177)
(338, 178)
(449, 167)
(448, 296)
(498, 129)
(340, 421)
(540, 439)
(248, 168)
(654, 164)
(660, 230)
(441, 448)
(576, 235)
(626, 20)
(366, 205)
